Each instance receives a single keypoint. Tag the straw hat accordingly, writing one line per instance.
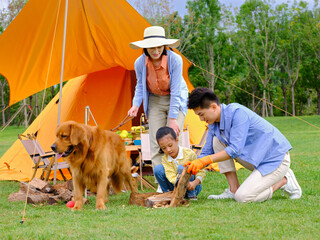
(154, 37)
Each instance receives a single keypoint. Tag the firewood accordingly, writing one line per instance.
(39, 198)
(157, 201)
(54, 199)
(41, 185)
(179, 192)
(65, 194)
(17, 196)
(66, 185)
(139, 198)
(172, 199)
(24, 188)
(64, 190)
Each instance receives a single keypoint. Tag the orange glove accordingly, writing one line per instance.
(198, 164)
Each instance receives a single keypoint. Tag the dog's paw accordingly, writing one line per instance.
(77, 206)
(101, 207)
(76, 209)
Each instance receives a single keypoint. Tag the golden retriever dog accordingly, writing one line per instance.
(96, 158)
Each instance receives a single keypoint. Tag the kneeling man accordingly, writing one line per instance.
(236, 132)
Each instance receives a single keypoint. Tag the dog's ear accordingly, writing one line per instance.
(77, 134)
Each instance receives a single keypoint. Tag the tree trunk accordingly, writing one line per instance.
(211, 69)
(264, 105)
(36, 104)
(253, 91)
(253, 102)
(318, 103)
(270, 105)
(292, 100)
(284, 93)
(25, 112)
(227, 93)
(2, 104)
(52, 92)
(31, 108)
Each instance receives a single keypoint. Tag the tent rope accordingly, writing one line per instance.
(4, 109)
(264, 100)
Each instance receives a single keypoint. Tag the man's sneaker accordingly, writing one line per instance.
(292, 187)
(159, 189)
(227, 194)
(193, 198)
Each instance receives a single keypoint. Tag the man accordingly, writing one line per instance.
(235, 132)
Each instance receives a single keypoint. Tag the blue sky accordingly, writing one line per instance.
(180, 5)
(3, 3)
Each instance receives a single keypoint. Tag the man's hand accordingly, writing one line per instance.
(198, 164)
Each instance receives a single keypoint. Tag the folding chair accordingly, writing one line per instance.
(40, 158)
(145, 164)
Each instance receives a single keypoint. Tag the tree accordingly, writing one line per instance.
(154, 10)
(292, 43)
(205, 50)
(257, 41)
(312, 30)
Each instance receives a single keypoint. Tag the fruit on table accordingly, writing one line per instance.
(137, 128)
(124, 134)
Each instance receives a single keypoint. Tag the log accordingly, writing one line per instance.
(39, 198)
(65, 194)
(139, 198)
(64, 190)
(24, 188)
(179, 192)
(172, 199)
(53, 200)
(18, 196)
(157, 201)
(41, 185)
(67, 185)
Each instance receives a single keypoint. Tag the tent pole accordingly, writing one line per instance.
(61, 81)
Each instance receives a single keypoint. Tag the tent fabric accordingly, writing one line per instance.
(98, 65)
(98, 37)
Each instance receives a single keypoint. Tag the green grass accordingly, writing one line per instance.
(9, 136)
(279, 218)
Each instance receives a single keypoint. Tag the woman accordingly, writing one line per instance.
(160, 85)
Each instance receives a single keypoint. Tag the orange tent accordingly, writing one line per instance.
(99, 65)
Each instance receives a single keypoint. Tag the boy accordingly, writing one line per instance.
(174, 156)
(235, 132)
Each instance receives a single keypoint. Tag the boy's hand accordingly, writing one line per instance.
(192, 185)
(198, 164)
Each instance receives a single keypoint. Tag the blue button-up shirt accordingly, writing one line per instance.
(249, 137)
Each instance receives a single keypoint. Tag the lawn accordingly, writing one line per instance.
(279, 218)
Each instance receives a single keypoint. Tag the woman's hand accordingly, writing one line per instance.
(133, 111)
(174, 125)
